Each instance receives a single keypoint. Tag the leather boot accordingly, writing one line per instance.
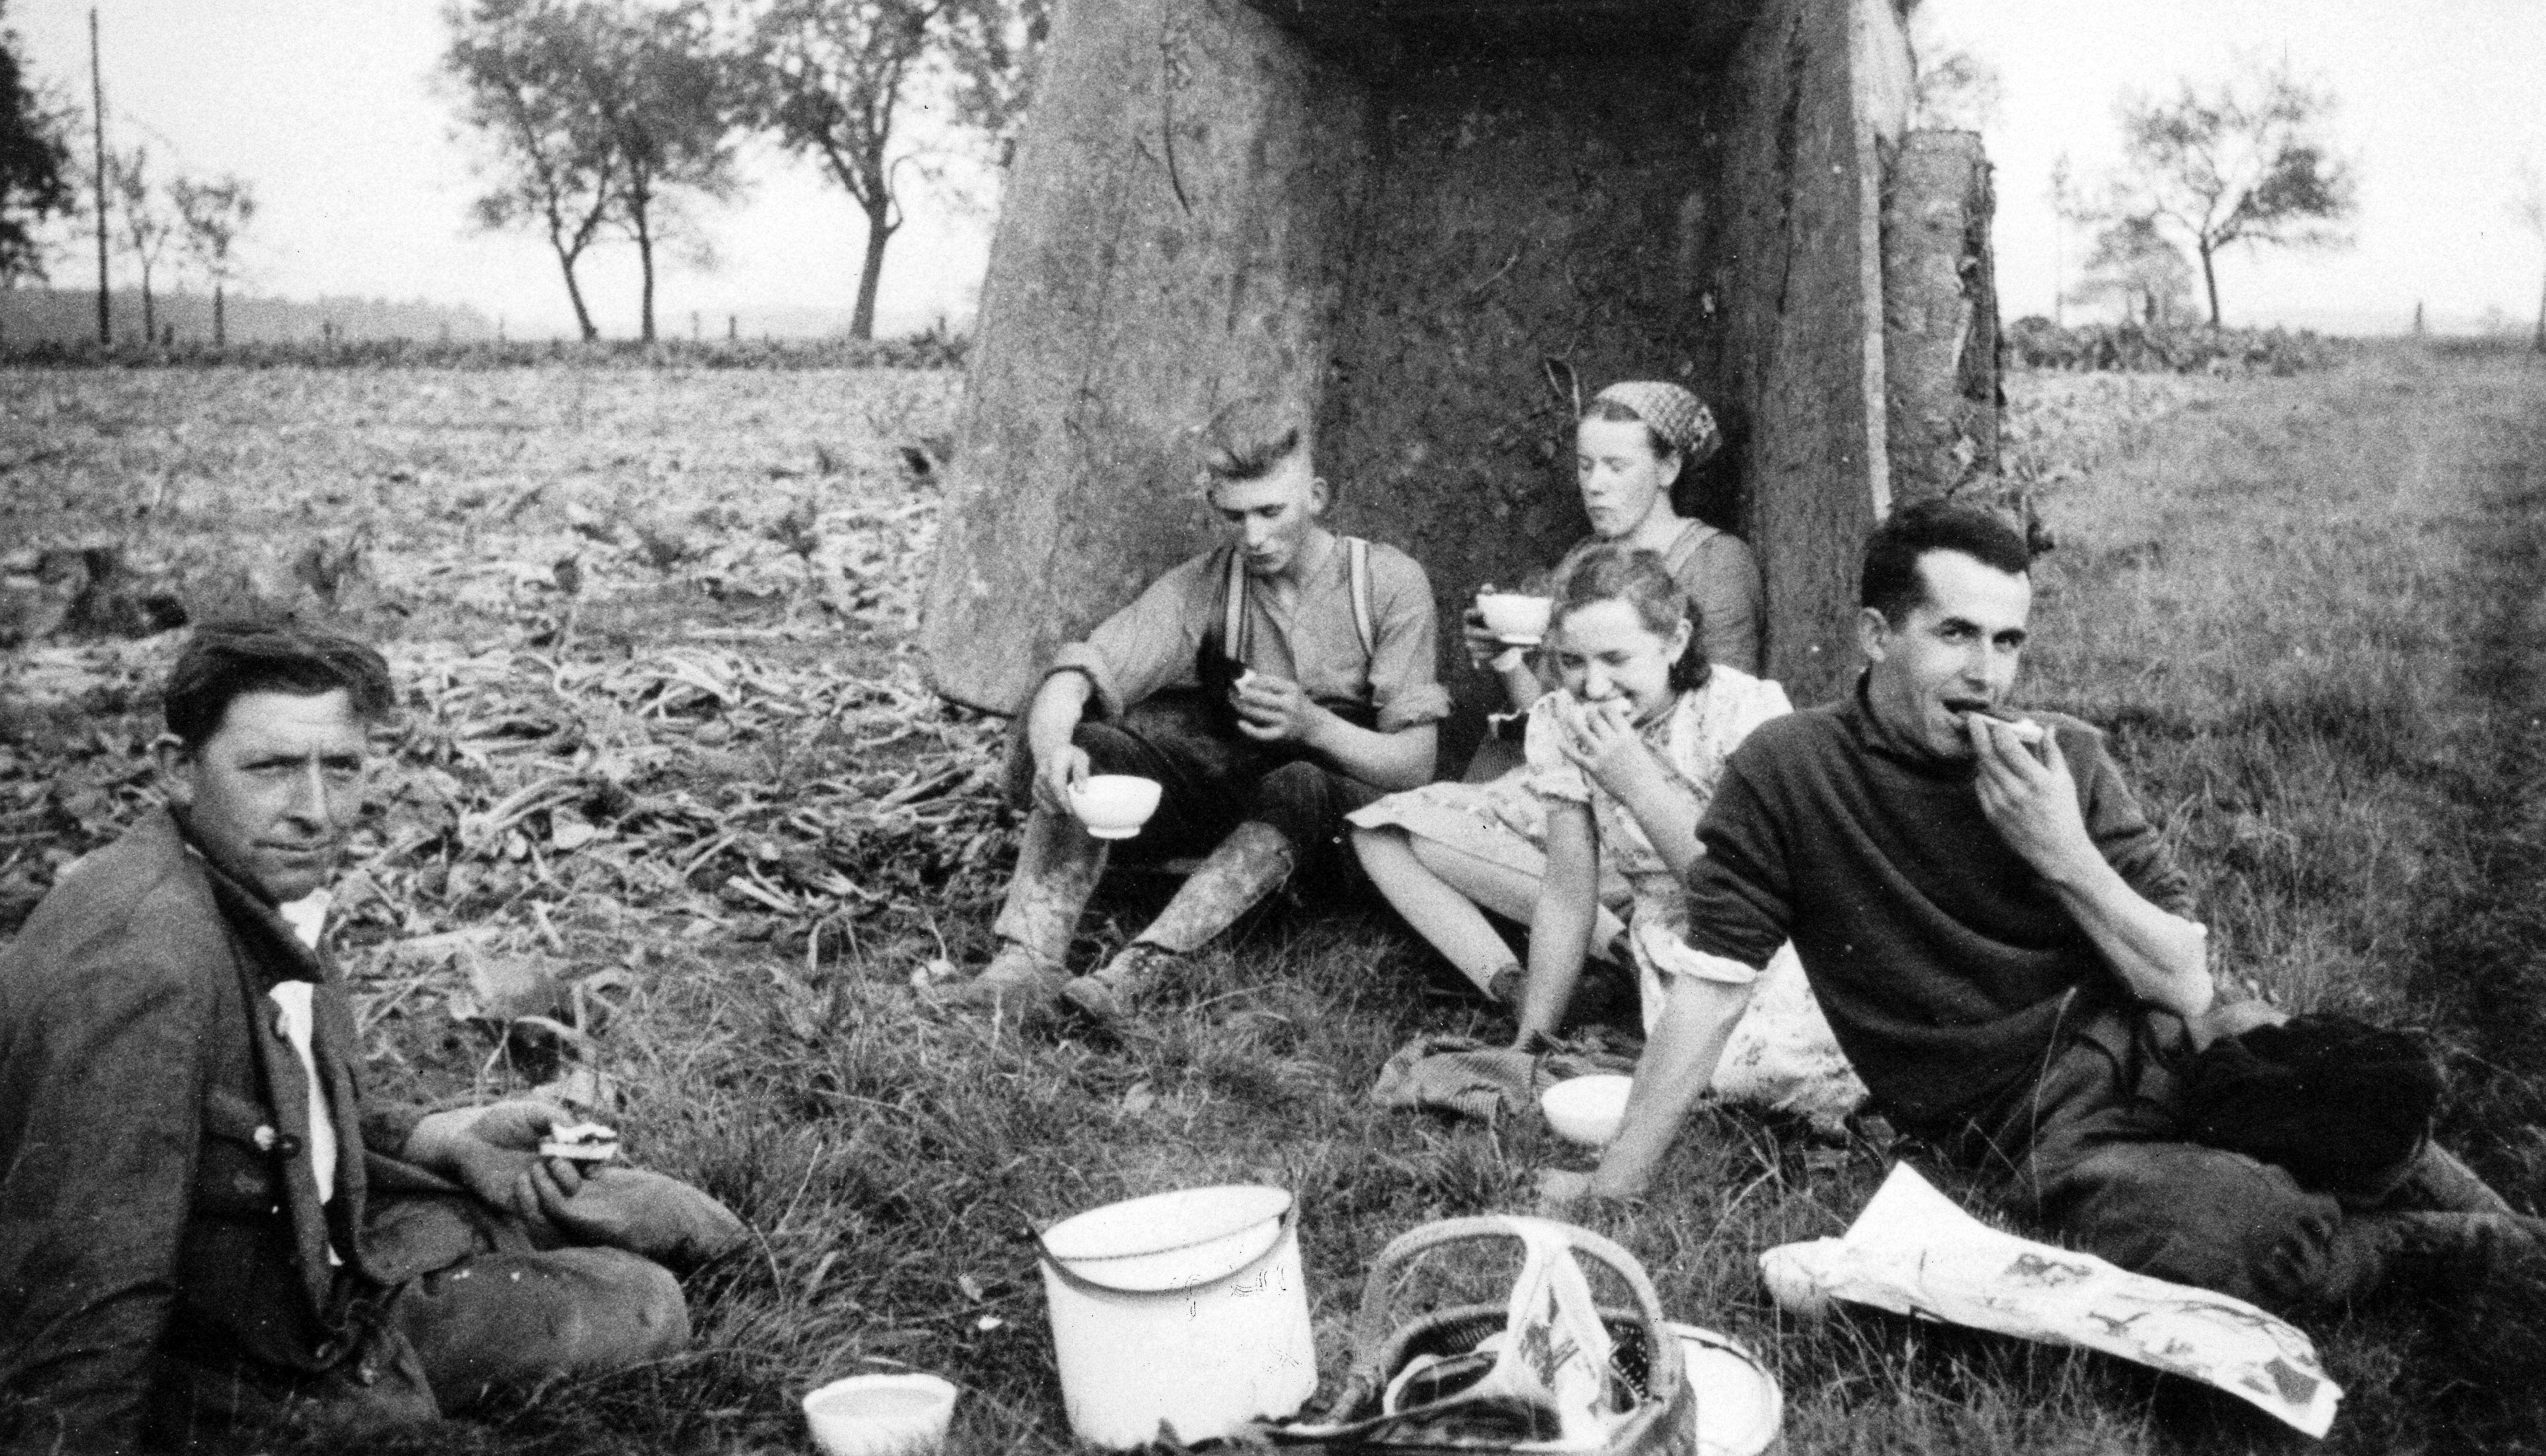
(1058, 867)
(2447, 1257)
(1251, 864)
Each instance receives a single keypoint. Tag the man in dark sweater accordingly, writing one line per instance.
(2006, 954)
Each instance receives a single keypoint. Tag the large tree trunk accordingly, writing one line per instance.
(1940, 316)
(149, 318)
(879, 231)
(2210, 281)
(1407, 230)
(220, 331)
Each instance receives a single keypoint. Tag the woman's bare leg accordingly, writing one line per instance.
(1447, 919)
(1508, 893)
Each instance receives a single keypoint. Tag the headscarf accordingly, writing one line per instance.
(1674, 413)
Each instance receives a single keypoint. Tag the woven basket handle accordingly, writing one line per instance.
(1371, 1323)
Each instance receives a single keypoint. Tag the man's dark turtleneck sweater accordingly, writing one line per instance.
(1945, 962)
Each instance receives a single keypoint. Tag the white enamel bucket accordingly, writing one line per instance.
(1181, 1309)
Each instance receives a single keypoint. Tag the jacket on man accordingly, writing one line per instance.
(157, 1211)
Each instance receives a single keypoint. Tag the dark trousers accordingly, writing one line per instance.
(2095, 1152)
(1211, 778)
(502, 1309)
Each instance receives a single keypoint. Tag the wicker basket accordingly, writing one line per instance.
(1644, 1360)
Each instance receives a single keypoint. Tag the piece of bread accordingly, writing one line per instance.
(2026, 730)
(580, 1141)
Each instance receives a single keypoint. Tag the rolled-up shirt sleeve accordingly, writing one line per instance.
(1404, 660)
(1150, 644)
(1740, 894)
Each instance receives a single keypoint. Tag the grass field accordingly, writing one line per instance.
(705, 784)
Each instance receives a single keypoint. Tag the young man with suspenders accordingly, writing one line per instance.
(1270, 686)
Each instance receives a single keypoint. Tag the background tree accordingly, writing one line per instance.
(2246, 162)
(524, 69)
(995, 51)
(669, 103)
(34, 165)
(2528, 209)
(830, 78)
(144, 224)
(213, 214)
(2134, 263)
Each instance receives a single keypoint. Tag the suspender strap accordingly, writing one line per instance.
(1236, 632)
(1364, 619)
(1233, 619)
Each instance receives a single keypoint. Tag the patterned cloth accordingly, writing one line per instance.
(1674, 413)
(1782, 1053)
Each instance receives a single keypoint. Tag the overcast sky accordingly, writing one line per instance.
(332, 108)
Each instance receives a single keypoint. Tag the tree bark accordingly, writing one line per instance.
(149, 318)
(2210, 281)
(221, 333)
(574, 291)
(645, 270)
(879, 231)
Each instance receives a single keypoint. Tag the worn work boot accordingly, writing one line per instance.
(2447, 1257)
(1058, 866)
(1108, 997)
(1251, 864)
(1018, 980)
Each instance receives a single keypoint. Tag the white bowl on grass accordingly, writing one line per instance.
(881, 1415)
(1587, 1110)
(1114, 806)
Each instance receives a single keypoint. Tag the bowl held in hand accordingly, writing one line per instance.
(1114, 805)
(1517, 619)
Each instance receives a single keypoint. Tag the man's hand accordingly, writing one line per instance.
(1276, 710)
(1601, 741)
(1484, 647)
(1056, 775)
(2031, 802)
(492, 1151)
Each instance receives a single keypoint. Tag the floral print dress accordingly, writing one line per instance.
(1782, 1053)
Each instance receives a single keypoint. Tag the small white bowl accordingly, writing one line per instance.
(1517, 619)
(1114, 805)
(1587, 1110)
(881, 1415)
(1740, 1409)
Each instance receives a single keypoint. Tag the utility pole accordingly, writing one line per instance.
(97, 109)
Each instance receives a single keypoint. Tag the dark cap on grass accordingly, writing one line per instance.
(2341, 1104)
(223, 661)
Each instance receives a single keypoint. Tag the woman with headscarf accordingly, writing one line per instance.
(1440, 852)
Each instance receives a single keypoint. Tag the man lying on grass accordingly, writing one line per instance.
(1271, 686)
(2006, 955)
(202, 1218)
